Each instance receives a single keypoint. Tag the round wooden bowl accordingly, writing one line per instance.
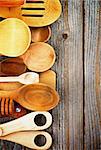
(38, 97)
(39, 57)
(15, 37)
(41, 34)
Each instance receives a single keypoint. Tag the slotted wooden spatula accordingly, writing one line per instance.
(35, 13)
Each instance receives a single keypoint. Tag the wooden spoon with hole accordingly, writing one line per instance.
(26, 123)
(29, 139)
(39, 57)
(34, 97)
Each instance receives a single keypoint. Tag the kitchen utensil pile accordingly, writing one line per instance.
(26, 81)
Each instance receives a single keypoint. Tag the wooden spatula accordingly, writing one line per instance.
(36, 13)
(49, 78)
(26, 123)
(33, 97)
(30, 138)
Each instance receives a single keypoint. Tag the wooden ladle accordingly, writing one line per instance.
(26, 78)
(29, 139)
(34, 97)
(39, 57)
(27, 123)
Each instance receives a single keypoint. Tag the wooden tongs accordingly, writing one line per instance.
(27, 129)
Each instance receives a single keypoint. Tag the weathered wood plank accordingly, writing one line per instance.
(68, 116)
(92, 75)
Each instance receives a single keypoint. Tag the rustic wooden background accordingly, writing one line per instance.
(77, 40)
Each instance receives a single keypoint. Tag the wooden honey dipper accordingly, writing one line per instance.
(8, 108)
(35, 97)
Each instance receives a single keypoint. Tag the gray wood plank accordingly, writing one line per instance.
(68, 116)
(92, 75)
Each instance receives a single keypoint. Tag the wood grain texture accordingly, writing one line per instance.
(76, 37)
(92, 74)
(68, 116)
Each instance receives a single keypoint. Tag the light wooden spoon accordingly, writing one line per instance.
(35, 97)
(28, 139)
(39, 57)
(26, 123)
(25, 78)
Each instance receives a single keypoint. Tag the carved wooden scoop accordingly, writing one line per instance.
(29, 124)
(26, 78)
(33, 97)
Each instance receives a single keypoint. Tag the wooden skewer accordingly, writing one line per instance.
(28, 139)
(25, 123)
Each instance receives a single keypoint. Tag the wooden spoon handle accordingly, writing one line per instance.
(9, 79)
(25, 123)
(28, 139)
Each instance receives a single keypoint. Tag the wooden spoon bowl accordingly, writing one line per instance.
(38, 97)
(41, 34)
(12, 67)
(35, 97)
(15, 37)
(39, 57)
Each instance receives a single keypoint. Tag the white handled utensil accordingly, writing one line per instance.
(27, 123)
(26, 78)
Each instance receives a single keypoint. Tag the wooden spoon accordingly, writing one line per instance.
(39, 57)
(41, 34)
(11, 3)
(15, 37)
(12, 67)
(34, 97)
(28, 139)
(49, 78)
(7, 86)
(26, 78)
(26, 123)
